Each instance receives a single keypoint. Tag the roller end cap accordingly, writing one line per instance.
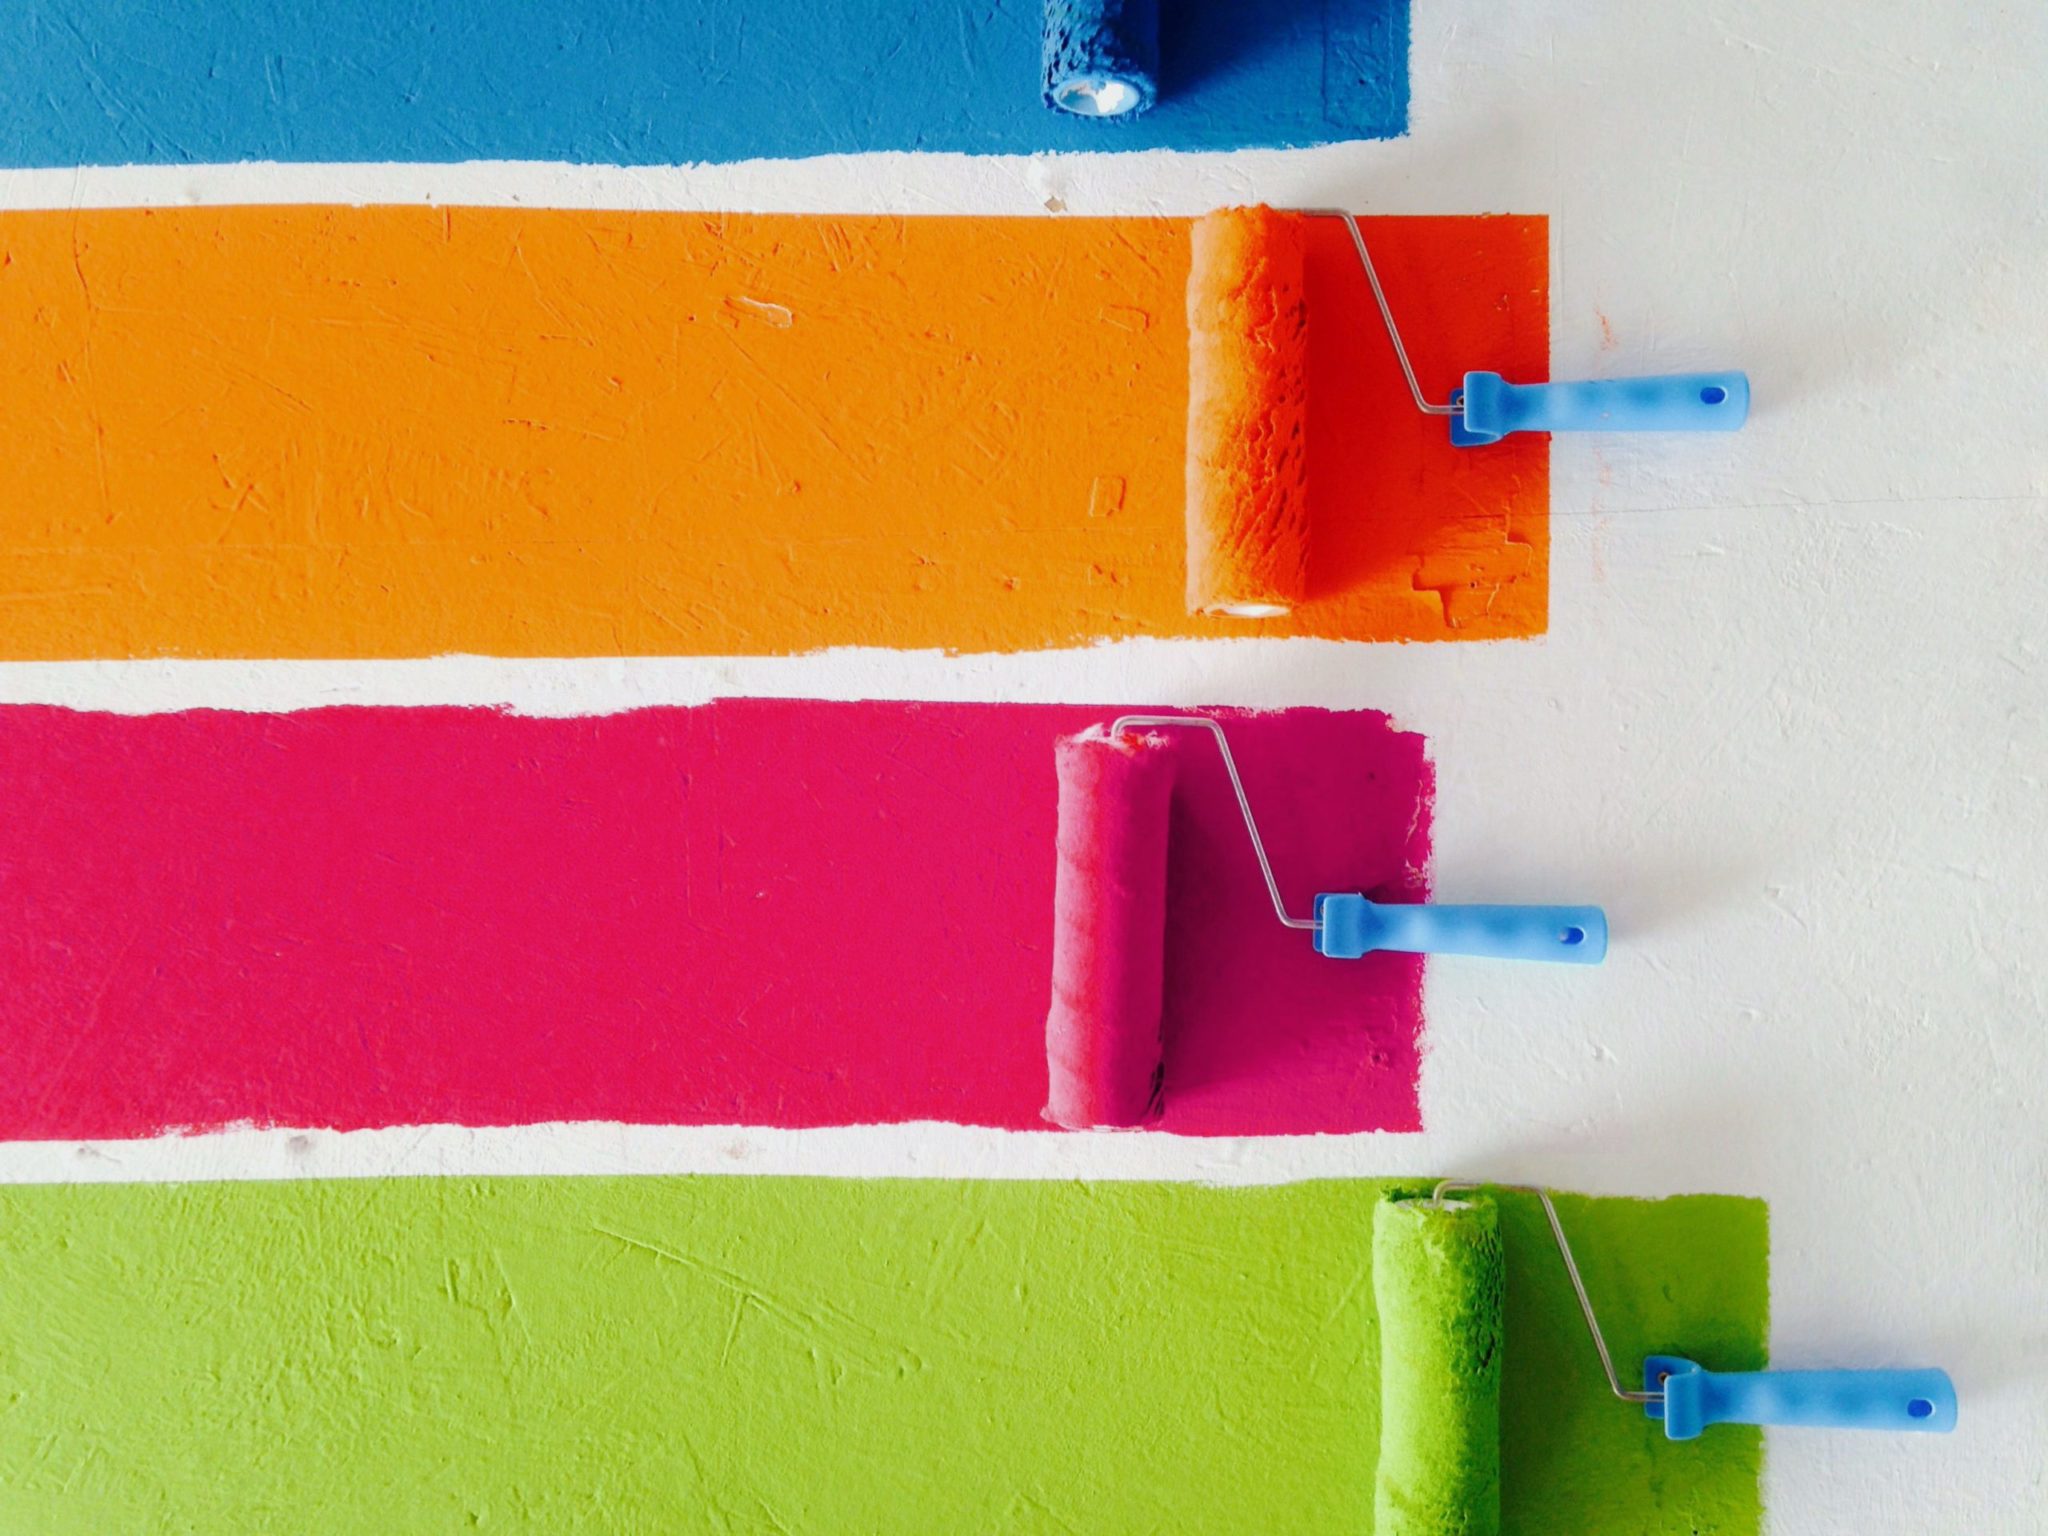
(1101, 95)
(1475, 413)
(1343, 925)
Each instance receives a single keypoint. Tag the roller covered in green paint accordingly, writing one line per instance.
(1439, 1283)
(1437, 1278)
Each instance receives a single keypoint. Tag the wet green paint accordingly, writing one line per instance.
(800, 1355)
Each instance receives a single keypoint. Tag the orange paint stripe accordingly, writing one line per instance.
(407, 431)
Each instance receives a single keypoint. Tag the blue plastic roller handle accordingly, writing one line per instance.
(1490, 407)
(1916, 1402)
(1353, 927)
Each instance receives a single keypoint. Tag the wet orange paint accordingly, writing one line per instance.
(406, 431)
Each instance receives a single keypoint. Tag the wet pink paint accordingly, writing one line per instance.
(1105, 1042)
(759, 912)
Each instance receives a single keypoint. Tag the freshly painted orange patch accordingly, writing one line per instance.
(405, 431)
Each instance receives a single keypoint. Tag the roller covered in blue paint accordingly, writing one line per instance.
(1101, 56)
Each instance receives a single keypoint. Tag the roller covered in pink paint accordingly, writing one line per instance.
(1106, 1031)
(1102, 1036)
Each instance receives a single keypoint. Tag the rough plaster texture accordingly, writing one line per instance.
(777, 1356)
(526, 432)
(759, 912)
(626, 82)
(1787, 721)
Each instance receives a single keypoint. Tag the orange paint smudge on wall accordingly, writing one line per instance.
(408, 431)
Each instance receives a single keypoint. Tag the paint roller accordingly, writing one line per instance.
(1102, 1033)
(1101, 57)
(1247, 505)
(1103, 1036)
(1437, 1278)
(1439, 1275)
(1247, 496)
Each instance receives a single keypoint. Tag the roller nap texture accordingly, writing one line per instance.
(1102, 1035)
(1101, 59)
(1437, 1278)
(1247, 414)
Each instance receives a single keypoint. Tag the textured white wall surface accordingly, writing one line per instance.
(1787, 724)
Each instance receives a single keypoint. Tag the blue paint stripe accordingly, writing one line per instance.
(651, 82)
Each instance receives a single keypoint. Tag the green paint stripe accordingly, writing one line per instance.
(781, 1355)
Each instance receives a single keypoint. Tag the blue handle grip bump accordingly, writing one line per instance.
(1921, 1402)
(1352, 926)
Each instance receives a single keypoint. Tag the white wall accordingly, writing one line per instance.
(1787, 725)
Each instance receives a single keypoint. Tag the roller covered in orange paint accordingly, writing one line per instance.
(1247, 414)
(1247, 457)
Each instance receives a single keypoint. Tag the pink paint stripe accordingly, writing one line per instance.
(757, 912)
